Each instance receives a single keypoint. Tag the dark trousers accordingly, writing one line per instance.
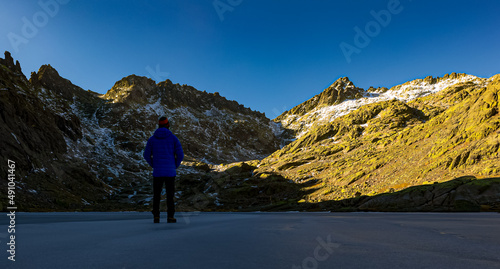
(170, 189)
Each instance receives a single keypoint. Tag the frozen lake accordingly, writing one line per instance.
(255, 240)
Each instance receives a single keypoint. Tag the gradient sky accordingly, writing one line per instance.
(266, 55)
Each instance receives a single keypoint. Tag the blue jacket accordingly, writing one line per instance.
(164, 153)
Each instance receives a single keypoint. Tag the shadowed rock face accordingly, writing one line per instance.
(34, 134)
(461, 194)
(74, 147)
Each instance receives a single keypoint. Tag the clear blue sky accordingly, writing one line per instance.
(266, 55)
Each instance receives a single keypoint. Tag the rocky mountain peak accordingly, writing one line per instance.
(47, 77)
(136, 90)
(340, 90)
(9, 62)
(341, 82)
(134, 80)
(132, 88)
(48, 71)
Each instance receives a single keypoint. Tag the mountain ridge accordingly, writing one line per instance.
(348, 98)
(75, 148)
(79, 150)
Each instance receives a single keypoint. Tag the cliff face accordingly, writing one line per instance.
(35, 133)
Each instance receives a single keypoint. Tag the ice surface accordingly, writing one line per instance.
(255, 240)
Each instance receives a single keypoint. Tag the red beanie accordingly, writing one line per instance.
(163, 122)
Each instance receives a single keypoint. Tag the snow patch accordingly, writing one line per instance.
(156, 107)
(405, 92)
(276, 128)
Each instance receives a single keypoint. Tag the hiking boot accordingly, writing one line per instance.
(171, 220)
(156, 219)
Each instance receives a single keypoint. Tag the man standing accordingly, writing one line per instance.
(164, 153)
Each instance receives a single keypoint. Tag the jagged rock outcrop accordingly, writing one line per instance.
(8, 62)
(336, 93)
(377, 90)
(131, 89)
(299, 119)
(141, 90)
(48, 79)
